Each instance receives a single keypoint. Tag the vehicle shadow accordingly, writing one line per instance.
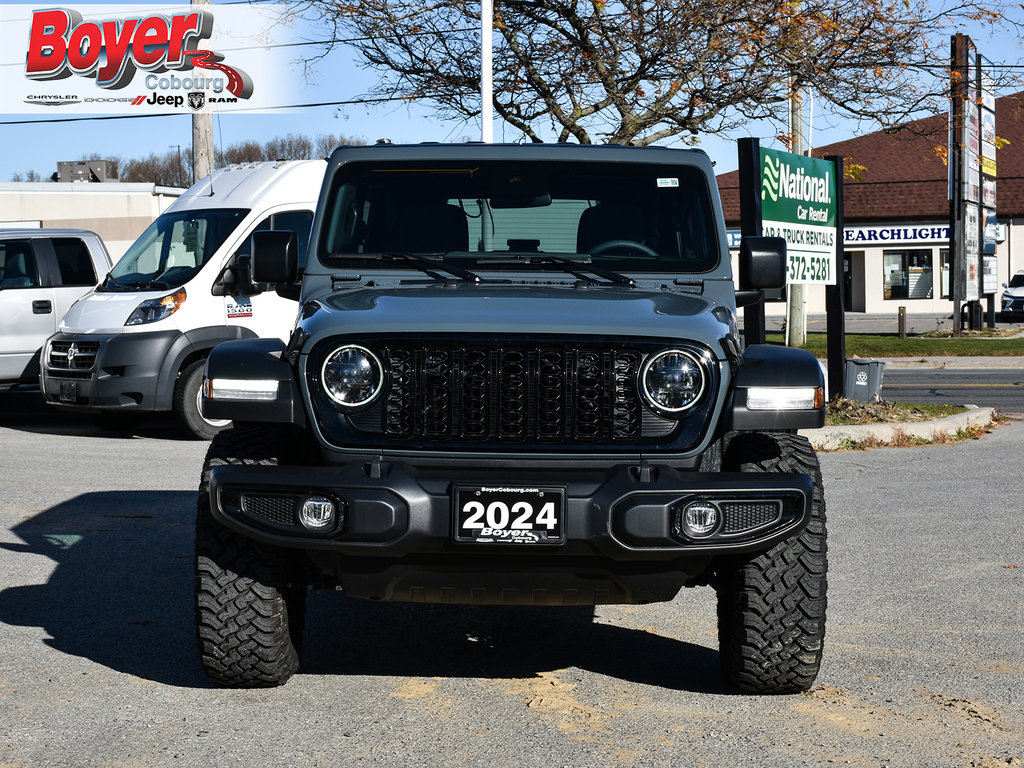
(351, 636)
(121, 596)
(25, 410)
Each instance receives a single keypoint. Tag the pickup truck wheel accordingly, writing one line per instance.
(771, 604)
(187, 396)
(250, 598)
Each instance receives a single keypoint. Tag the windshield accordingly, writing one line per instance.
(173, 249)
(1017, 281)
(507, 215)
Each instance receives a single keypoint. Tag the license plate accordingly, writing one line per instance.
(502, 515)
(69, 391)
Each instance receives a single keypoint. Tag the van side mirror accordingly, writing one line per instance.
(275, 257)
(762, 263)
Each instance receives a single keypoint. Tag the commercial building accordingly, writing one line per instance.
(117, 212)
(897, 215)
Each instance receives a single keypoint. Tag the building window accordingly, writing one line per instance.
(907, 274)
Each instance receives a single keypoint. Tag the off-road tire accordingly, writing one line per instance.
(250, 598)
(771, 604)
(186, 404)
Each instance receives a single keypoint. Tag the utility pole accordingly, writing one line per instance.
(796, 326)
(202, 131)
(486, 66)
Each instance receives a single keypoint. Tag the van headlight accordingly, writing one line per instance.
(152, 310)
(673, 381)
(352, 376)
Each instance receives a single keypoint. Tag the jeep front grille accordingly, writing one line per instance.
(536, 394)
(512, 394)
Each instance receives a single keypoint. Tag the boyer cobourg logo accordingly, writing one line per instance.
(114, 51)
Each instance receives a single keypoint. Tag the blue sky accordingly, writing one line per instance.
(39, 146)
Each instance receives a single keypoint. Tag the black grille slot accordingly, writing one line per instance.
(71, 356)
(512, 394)
(276, 509)
(742, 516)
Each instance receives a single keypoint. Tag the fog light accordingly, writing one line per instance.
(317, 513)
(700, 519)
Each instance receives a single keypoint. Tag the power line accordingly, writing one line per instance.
(349, 102)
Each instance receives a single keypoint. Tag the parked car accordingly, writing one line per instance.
(1013, 298)
(141, 338)
(42, 273)
(515, 379)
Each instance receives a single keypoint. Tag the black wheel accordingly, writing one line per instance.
(771, 605)
(250, 598)
(187, 396)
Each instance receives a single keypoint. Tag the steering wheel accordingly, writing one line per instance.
(624, 245)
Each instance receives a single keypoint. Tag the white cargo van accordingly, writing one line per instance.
(138, 342)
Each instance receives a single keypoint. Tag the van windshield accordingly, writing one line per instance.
(520, 215)
(173, 249)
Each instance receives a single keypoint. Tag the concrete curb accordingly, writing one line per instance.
(955, 363)
(830, 438)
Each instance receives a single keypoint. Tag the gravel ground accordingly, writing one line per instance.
(924, 657)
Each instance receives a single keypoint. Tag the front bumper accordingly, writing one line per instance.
(1013, 307)
(396, 538)
(108, 371)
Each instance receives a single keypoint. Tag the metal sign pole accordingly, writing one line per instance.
(750, 224)
(835, 309)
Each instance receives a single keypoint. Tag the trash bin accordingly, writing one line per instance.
(864, 379)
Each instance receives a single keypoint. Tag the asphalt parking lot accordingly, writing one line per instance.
(924, 661)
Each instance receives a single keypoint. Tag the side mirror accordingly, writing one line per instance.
(762, 263)
(275, 257)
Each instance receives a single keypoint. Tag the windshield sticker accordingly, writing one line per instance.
(668, 182)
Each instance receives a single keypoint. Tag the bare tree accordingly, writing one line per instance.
(327, 143)
(640, 71)
(171, 169)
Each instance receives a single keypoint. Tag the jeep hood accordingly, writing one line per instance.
(495, 309)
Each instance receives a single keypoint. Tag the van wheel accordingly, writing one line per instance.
(187, 395)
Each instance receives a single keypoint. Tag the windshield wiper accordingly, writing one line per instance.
(572, 266)
(149, 285)
(429, 265)
(111, 279)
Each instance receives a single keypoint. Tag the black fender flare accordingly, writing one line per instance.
(255, 359)
(194, 343)
(768, 365)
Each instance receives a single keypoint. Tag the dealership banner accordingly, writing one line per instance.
(134, 59)
(798, 203)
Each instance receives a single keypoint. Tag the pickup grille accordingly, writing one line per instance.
(72, 359)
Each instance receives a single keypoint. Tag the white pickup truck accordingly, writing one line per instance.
(42, 273)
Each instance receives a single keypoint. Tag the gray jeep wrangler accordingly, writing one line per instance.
(515, 379)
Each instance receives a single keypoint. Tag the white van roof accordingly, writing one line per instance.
(262, 184)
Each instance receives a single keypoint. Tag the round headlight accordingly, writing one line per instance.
(352, 376)
(673, 381)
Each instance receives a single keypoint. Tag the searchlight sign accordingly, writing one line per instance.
(798, 203)
(124, 59)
